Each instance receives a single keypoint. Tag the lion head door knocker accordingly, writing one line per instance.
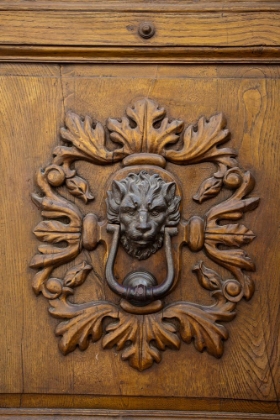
(142, 219)
(143, 210)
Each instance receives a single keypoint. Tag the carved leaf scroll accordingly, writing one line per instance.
(140, 338)
(235, 260)
(55, 206)
(85, 323)
(149, 132)
(200, 143)
(88, 140)
(200, 323)
(234, 207)
(144, 129)
(232, 235)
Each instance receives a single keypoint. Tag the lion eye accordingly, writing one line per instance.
(131, 212)
(154, 213)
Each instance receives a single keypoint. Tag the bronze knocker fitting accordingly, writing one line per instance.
(140, 287)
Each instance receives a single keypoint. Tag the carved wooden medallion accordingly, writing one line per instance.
(144, 218)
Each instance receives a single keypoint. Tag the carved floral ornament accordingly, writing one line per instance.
(143, 217)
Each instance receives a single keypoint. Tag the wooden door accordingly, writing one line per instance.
(140, 209)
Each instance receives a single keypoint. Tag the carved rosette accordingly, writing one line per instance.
(147, 138)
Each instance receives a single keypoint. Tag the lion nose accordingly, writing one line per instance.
(143, 227)
(143, 224)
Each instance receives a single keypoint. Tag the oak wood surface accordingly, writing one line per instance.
(143, 5)
(121, 28)
(87, 402)
(34, 99)
(172, 6)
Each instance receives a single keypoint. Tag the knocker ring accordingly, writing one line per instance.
(140, 287)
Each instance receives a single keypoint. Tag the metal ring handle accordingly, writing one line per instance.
(141, 293)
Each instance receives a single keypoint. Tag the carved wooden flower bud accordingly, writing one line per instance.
(207, 278)
(77, 275)
(208, 189)
(79, 188)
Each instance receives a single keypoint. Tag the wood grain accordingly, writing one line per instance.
(88, 402)
(121, 28)
(143, 5)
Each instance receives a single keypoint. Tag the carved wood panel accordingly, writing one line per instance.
(245, 377)
(143, 214)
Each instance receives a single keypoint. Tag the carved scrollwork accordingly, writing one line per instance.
(143, 215)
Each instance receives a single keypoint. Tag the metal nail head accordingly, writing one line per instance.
(146, 30)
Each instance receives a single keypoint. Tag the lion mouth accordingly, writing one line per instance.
(141, 242)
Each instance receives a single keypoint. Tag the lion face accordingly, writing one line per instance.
(143, 205)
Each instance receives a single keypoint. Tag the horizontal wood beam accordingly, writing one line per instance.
(159, 6)
(25, 402)
(119, 28)
(65, 414)
(66, 54)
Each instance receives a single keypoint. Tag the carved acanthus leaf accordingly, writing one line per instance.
(229, 257)
(142, 135)
(54, 206)
(231, 235)
(141, 349)
(200, 323)
(85, 325)
(142, 338)
(235, 260)
(200, 143)
(55, 231)
(89, 140)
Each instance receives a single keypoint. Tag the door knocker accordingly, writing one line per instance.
(143, 209)
(141, 229)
